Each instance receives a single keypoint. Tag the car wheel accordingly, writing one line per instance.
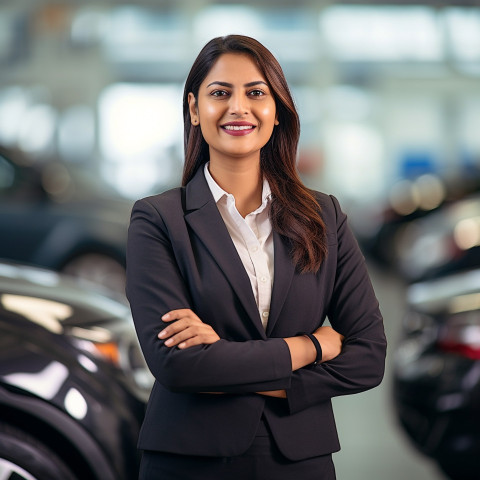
(23, 457)
(98, 268)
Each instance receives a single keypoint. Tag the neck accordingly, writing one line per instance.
(242, 179)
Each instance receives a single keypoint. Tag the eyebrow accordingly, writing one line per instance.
(229, 85)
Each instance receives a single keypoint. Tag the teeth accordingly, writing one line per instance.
(238, 127)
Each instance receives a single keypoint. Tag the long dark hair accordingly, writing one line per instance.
(295, 213)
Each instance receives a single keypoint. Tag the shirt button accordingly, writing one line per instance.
(265, 314)
(254, 249)
(263, 279)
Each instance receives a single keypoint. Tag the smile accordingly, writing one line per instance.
(236, 127)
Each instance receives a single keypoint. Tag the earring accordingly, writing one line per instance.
(194, 121)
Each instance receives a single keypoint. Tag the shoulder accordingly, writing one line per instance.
(330, 209)
(161, 202)
(160, 210)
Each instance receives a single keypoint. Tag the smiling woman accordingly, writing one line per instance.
(241, 106)
(238, 105)
(294, 210)
(230, 279)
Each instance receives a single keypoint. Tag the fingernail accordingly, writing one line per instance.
(162, 334)
(182, 345)
(166, 316)
(169, 341)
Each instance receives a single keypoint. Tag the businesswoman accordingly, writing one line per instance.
(230, 279)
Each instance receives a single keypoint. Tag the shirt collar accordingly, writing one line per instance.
(218, 192)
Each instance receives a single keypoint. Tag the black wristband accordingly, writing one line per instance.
(317, 345)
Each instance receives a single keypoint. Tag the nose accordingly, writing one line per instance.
(238, 104)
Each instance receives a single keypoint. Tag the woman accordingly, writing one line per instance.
(230, 279)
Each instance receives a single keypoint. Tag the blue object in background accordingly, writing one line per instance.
(414, 163)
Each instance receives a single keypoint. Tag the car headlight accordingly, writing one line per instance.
(112, 339)
(117, 344)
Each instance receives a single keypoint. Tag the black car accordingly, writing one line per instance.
(73, 382)
(444, 242)
(437, 372)
(426, 228)
(61, 218)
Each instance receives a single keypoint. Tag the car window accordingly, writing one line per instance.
(19, 182)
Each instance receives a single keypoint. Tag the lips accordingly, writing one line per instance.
(238, 128)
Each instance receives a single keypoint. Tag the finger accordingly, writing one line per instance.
(176, 314)
(181, 337)
(190, 342)
(174, 328)
(194, 335)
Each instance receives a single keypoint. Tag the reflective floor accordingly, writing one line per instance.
(373, 446)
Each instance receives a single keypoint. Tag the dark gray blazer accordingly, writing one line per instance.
(180, 255)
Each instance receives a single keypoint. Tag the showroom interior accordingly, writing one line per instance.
(388, 95)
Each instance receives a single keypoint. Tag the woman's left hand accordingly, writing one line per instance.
(186, 330)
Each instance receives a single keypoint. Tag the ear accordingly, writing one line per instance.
(276, 119)
(192, 103)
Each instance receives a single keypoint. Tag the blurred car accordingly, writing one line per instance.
(446, 241)
(376, 225)
(437, 372)
(62, 219)
(384, 229)
(73, 382)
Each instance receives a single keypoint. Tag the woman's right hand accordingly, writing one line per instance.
(330, 341)
(185, 330)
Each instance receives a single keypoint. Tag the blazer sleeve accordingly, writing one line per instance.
(354, 312)
(155, 286)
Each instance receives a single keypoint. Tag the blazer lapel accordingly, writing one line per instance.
(202, 215)
(283, 275)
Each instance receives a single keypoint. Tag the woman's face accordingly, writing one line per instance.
(235, 108)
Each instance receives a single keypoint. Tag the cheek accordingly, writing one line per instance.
(210, 112)
(209, 116)
(267, 113)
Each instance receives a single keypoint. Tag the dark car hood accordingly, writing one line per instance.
(91, 305)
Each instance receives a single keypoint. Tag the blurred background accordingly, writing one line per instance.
(389, 101)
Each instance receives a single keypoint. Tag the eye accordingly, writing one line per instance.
(219, 93)
(256, 93)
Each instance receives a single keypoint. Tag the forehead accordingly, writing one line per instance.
(234, 67)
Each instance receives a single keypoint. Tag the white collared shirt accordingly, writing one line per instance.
(253, 239)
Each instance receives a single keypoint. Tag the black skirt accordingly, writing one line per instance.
(262, 461)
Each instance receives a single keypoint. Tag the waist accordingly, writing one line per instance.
(263, 430)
